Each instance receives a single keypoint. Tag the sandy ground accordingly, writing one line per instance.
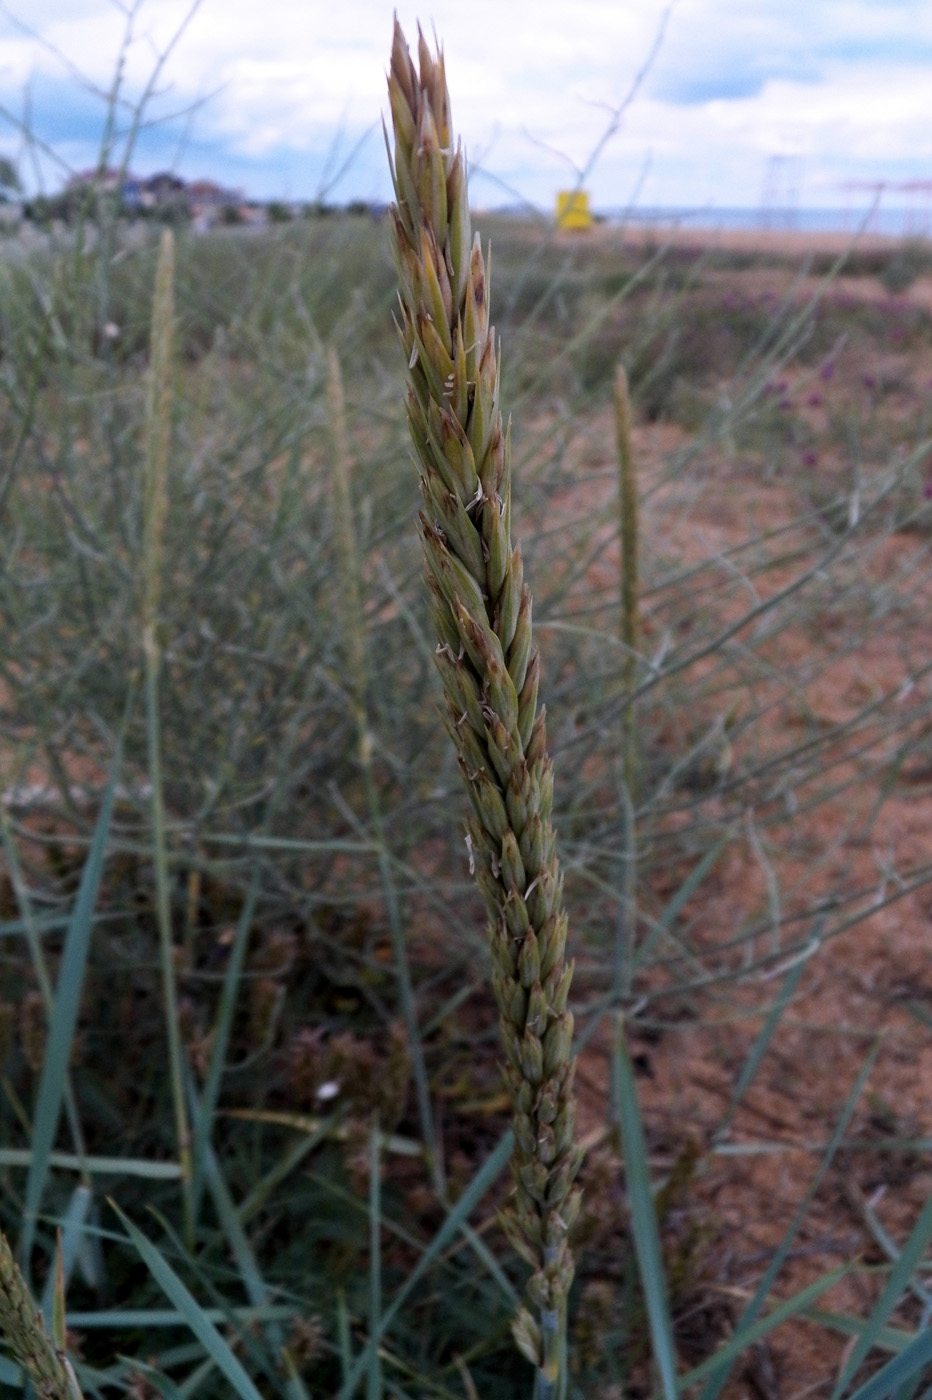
(780, 242)
(867, 991)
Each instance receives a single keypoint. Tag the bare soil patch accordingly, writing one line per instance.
(868, 989)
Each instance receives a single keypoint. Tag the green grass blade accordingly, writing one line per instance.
(72, 1227)
(890, 1339)
(207, 1106)
(643, 1217)
(65, 1017)
(746, 1337)
(134, 1319)
(759, 1048)
(10, 1374)
(164, 1387)
(899, 1371)
(293, 1380)
(191, 1311)
(49, 923)
(284, 1167)
(31, 930)
(405, 983)
(893, 1290)
(489, 1173)
(745, 1326)
(482, 1252)
(495, 1271)
(193, 1383)
(166, 946)
(106, 1166)
(256, 1288)
(675, 906)
(374, 1372)
(37, 373)
(344, 1339)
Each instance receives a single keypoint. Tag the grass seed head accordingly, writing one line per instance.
(22, 1326)
(489, 666)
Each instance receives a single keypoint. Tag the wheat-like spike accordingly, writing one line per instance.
(490, 670)
(630, 585)
(158, 435)
(21, 1324)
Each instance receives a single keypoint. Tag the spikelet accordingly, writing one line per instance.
(490, 670)
(158, 437)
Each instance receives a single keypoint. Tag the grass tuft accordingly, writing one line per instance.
(271, 878)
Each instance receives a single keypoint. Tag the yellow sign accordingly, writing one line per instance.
(573, 209)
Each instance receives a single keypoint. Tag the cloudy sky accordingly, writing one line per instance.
(744, 102)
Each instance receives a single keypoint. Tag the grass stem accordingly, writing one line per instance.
(159, 403)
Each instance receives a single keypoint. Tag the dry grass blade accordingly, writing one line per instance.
(490, 671)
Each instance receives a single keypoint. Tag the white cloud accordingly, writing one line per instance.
(843, 84)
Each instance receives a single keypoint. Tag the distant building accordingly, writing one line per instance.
(163, 195)
(162, 190)
(255, 215)
(209, 200)
(103, 179)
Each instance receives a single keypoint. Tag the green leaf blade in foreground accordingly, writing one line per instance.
(643, 1217)
(257, 1290)
(65, 1014)
(191, 1311)
(70, 1233)
(903, 1368)
(740, 1343)
(10, 1374)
